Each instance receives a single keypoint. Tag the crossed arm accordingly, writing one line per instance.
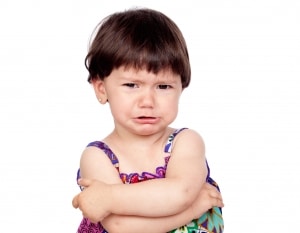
(163, 204)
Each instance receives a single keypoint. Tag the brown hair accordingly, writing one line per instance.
(139, 38)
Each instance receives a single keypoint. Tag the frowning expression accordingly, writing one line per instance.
(141, 101)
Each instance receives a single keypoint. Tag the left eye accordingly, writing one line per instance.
(164, 86)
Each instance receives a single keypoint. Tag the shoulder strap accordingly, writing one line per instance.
(105, 148)
(169, 144)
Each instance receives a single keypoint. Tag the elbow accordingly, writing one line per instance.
(111, 224)
(186, 197)
(114, 224)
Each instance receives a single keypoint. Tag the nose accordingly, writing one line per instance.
(147, 98)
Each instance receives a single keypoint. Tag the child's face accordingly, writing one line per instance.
(141, 102)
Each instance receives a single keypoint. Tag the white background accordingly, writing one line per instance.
(244, 100)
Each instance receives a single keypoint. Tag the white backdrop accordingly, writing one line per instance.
(244, 99)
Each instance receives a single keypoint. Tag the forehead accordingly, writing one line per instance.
(137, 73)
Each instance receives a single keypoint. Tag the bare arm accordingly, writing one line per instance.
(208, 197)
(156, 198)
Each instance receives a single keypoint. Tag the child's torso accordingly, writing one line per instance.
(128, 178)
(156, 173)
(129, 175)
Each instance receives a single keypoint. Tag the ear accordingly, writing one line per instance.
(100, 91)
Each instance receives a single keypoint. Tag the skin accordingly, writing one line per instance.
(207, 198)
(143, 105)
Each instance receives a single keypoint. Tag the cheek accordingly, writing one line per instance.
(119, 108)
(170, 106)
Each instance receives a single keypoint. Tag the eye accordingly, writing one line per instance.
(164, 86)
(131, 85)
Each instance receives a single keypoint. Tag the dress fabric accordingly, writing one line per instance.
(210, 222)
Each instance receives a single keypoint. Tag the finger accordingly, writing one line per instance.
(220, 203)
(75, 202)
(214, 193)
(84, 182)
(218, 200)
(217, 203)
(92, 220)
(219, 197)
(211, 187)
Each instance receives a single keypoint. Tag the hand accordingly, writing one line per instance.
(93, 201)
(208, 197)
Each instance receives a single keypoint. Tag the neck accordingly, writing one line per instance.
(125, 138)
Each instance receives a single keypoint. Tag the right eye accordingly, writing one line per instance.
(131, 85)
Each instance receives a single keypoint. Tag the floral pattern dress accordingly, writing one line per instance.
(210, 222)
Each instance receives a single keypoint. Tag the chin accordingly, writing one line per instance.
(149, 130)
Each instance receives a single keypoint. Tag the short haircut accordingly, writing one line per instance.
(139, 38)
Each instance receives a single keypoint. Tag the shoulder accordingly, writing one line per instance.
(95, 163)
(188, 140)
(186, 135)
(188, 156)
(98, 150)
(90, 155)
(93, 148)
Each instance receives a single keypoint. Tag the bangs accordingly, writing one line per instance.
(152, 58)
(140, 39)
